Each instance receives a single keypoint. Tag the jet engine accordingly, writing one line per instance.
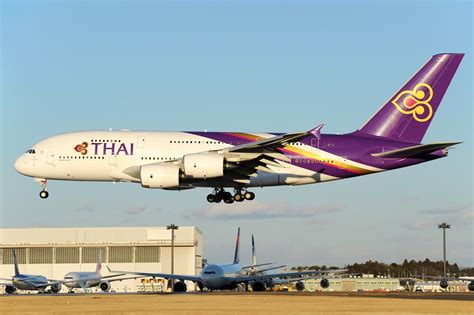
(299, 286)
(105, 286)
(180, 286)
(258, 286)
(470, 286)
(56, 287)
(159, 176)
(203, 165)
(10, 289)
(324, 283)
(444, 284)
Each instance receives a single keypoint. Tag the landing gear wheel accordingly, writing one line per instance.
(239, 197)
(211, 198)
(228, 198)
(44, 194)
(249, 195)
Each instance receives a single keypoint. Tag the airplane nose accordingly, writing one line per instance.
(21, 165)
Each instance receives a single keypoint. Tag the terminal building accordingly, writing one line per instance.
(53, 252)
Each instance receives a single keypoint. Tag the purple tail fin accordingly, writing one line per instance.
(407, 115)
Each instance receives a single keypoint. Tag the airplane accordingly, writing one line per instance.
(29, 282)
(225, 276)
(389, 140)
(86, 280)
(444, 281)
(268, 283)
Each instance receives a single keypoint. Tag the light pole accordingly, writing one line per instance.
(172, 227)
(444, 226)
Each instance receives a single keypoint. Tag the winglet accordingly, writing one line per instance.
(317, 131)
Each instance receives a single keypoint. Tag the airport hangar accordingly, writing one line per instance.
(53, 252)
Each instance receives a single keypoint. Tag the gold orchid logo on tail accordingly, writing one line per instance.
(81, 148)
(415, 102)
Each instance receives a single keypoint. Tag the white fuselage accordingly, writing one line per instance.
(215, 277)
(82, 279)
(118, 156)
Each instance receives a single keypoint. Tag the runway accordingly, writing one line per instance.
(244, 303)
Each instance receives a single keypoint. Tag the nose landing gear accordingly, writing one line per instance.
(43, 193)
(220, 194)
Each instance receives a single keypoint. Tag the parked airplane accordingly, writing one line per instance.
(87, 280)
(389, 140)
(29, 282)
(268, 283)
(225, 277)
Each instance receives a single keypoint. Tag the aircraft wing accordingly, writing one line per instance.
(283, 275)
(160, 275)
(113, 276)
(258, 265)
(121, 279)
(107, 278)
(282, 281)
(247, 159)
(260, 155)
(271, 268)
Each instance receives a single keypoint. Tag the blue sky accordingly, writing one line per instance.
(241, 66)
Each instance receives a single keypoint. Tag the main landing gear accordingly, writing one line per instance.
(43, 193)
(219, 194)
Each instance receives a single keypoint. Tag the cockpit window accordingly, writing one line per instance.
(209, 272)
(31, 151)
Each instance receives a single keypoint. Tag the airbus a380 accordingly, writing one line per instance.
(389, 140)
(229, 276)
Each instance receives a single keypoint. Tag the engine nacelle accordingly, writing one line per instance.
(299, 286)
(10, 289)
(324, 283)
(105, 286)
(159, 176)
(259, 286)
(470, 286)
(180, 287)
(444, 284)
(203, 165)
(56, 287)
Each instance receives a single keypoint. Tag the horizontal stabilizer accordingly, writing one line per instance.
(416, 150)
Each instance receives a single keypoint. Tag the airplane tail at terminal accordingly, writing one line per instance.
(237, 248)
(15, 263)
(407, 115)
(254, 255)
(99, 261)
